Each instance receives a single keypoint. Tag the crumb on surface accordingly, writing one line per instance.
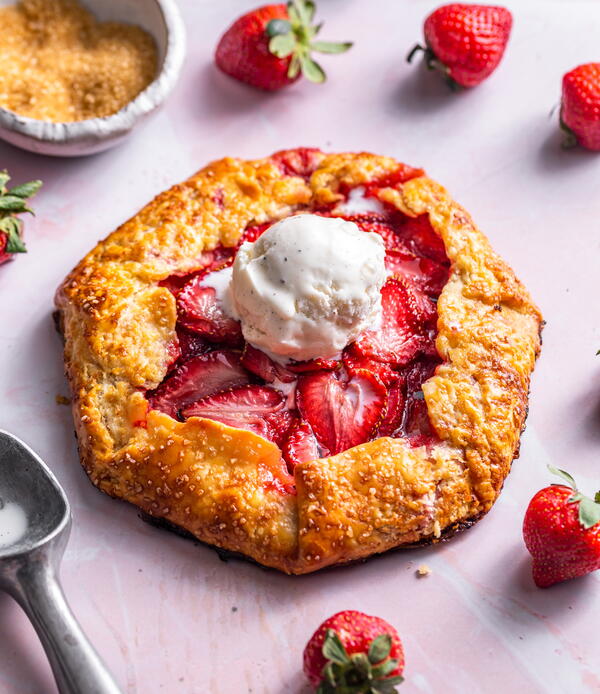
(62, 400)
(423, 571)
(58, 63)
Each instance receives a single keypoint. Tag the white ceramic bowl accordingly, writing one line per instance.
(162, 20)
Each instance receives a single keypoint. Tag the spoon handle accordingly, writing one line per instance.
(76, 666)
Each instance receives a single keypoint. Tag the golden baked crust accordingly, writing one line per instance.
(213, 480)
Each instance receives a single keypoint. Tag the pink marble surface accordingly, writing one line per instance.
(169, 616)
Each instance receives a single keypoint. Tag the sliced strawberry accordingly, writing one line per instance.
(209, 261)
(380, 224)
(175, 283)
(420, 237)
(423, 273)
(302, 161)
(174, 352)
(3, 255)
(246, 407)
(401, 334)
(300, 367)
(278, 480)
(403, 173)
(342, 413)
(279, 425)
(355, 362)
(250, 234)
(416, 426)
(197, 378)
(191, 344)
(221, 257)
(301, 444)
(201, 312)
(395, 409)
(264, 367)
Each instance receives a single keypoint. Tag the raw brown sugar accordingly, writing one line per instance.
(58, 63)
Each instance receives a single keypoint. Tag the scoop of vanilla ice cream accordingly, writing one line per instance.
(308, 286)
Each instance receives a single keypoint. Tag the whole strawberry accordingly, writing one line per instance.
(354, 653)
(270, 47)
(580, 106)
(562, 532)
(12, 202)
(465, 42)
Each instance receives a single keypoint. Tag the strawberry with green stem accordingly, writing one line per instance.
(270, 47)
(561, 530)
(354, 653)
(580, 107)
(13, 201)
(465, 42)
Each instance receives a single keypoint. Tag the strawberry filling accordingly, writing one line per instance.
(320, 407)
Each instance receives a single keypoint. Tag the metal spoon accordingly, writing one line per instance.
(35, 521)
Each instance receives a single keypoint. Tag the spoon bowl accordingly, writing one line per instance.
(33, 507)
(35, 522)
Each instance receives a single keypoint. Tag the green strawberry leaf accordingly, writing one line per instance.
(282, 45)
(329, 674)
(314, 30)
(362, 665)
(293, 15)
(293, 38)
(4, 179)
(331, 46)
(589, 512)
(11, 226)
(387, 686)
(13, 203)
(305, 10)
(564, 475)
(385, 668)
(333, 648)
(294, 68)
(380, 648)
(278, 26)
(26, 190)
(312, 70)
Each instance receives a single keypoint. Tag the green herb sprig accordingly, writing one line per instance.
(13, 201)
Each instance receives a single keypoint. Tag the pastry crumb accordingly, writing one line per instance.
(62, 400)
(423, 571)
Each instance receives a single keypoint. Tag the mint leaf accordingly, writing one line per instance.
(4, 179)
(331, 46)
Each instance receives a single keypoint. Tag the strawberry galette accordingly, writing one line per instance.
(306, 359)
